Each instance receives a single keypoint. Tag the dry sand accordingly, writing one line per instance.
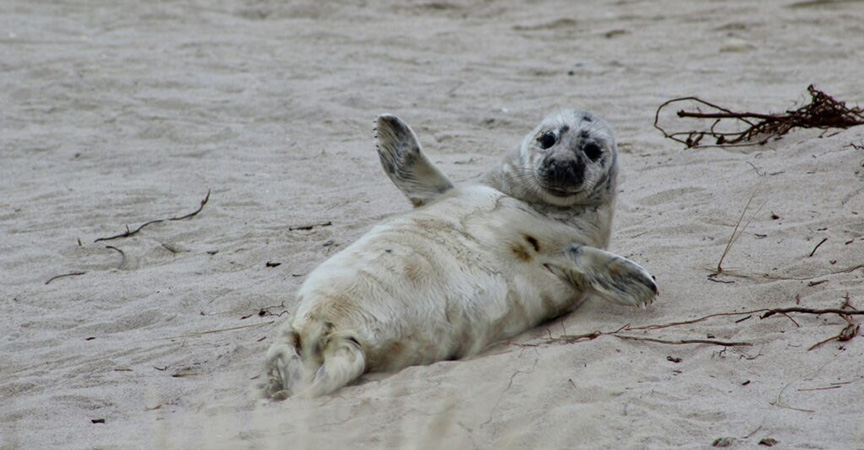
(113, 113)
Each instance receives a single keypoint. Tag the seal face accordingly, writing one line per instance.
(567, 169)
(569, 159)
(470, 265)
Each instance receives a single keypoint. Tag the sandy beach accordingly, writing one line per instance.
(117, 113)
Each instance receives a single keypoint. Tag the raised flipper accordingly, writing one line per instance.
(406, 164)
(608, 275)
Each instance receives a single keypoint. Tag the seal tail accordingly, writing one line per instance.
(312, 365)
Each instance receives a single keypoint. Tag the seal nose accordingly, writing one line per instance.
(569, 172)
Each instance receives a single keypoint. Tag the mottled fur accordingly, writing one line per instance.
(473, 265)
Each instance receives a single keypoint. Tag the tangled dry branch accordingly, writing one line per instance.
(735, 129)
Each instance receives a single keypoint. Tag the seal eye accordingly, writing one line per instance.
(592, 151)
(547, 140)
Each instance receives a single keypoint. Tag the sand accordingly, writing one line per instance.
(115, 113)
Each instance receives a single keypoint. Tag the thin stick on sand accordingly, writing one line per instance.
(685, 341)
(73, 274)
(736, 233)
(220, 330)
(845, 312)
(122, 255)
(817, 247)
(741, 274)
(129, 232)
(570, 339)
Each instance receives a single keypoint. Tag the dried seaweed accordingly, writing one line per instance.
(727, 128)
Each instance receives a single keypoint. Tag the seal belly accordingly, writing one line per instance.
(412, 291)
(440, 282)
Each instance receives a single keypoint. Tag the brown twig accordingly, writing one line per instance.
(847, 302)
(310, 226)
(768, 312)
(713, 277)
(825, 388)
(740, 274)
(509, 385)
(822, 112)
(129, 232)
(736, 234)
(204, 333)
(849, 332)
(818, 312)
(817, 247)
(753, 432)
(574, 338)
(571, 339)
(122, 256)
(846, 334)
(184, 374)
(73, 274)
(684, 341)
(780, 404)
(265, 311)
(692, 321)
(792, 319)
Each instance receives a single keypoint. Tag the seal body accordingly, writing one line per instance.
(470, 265)
(442, 282)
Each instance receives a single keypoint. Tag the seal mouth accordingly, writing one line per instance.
(558, 191)
(555, 190)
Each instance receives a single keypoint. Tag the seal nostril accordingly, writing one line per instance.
(575, 172)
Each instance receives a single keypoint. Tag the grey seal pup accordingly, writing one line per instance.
(468, 266)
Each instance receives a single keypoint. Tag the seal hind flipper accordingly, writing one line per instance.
(313, 363)
(287, 371)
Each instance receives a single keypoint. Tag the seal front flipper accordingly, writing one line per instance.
(406, 164)
(608, 275)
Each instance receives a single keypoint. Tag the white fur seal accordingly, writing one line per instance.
(469, 266)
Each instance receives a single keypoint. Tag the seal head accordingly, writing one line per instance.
(570, 159)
